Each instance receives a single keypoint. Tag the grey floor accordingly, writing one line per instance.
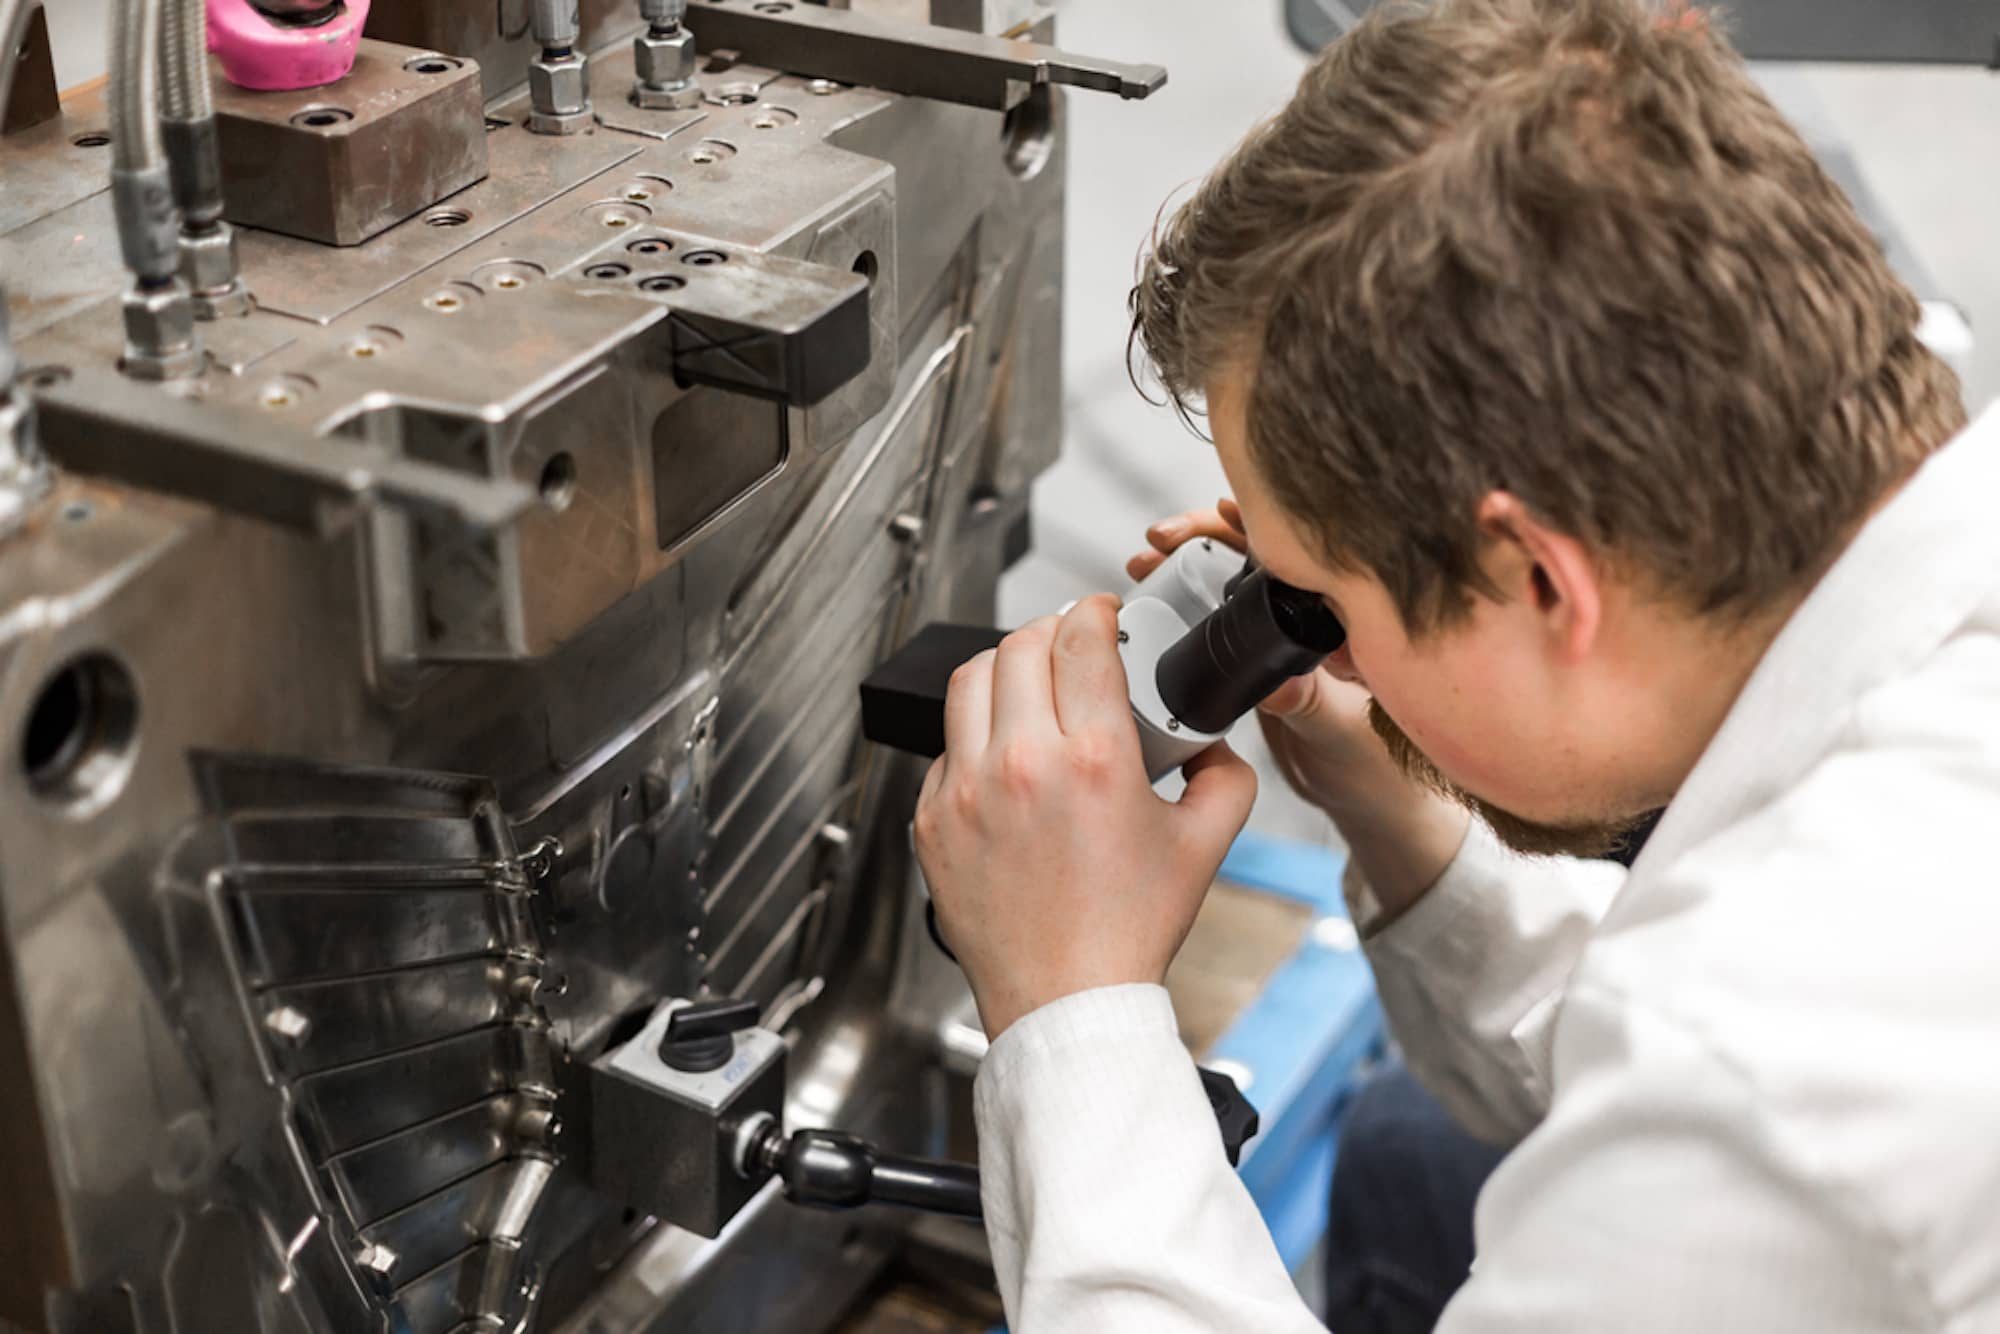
(1926, 143)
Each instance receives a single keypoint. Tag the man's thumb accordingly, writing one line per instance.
(1221, 786)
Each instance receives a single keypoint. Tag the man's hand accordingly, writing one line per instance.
(1401, 834)
(1054, 865)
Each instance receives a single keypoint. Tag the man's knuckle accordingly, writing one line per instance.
(1021, 766)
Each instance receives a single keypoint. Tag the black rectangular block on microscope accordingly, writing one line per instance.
(902, 701)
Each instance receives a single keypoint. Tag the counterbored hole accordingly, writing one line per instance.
(704, 258)
(322, 118)
(559, 481)
(607, 272)
(432, 64)
(651, 245)
(665, 282)
(447, 217)
(78, 741)
(92, 139)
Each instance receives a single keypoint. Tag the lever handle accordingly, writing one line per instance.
(831, 1170)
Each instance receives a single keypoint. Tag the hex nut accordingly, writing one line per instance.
(559, 89)
(159, 333)
(209, 266)
(664, 62)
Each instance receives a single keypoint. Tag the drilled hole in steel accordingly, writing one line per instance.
(825, 87)
(704, 258)
(432, 64)
(322, 118)
(46, 377)
(447, 217)
(558, 482)
(92, 139)
(738, 98)
(614, 220)
(866, 265)
(774, 118)
(508, 282)
(607, 272)
(497, 123)
(666, 282)
(651, 245)
(77, 744)
(775, 7)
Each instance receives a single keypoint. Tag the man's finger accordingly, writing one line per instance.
(968, 708)
(1221, 786)
(1144, 564)
(1090, 689)
(1024, 681)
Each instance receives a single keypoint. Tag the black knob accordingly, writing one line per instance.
(702, 1036)
(1234, 1115)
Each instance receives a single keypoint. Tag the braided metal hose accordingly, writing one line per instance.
(184, 89)
(148, 232)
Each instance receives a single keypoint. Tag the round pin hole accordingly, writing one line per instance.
(80, 733)
(651, 245)
(558, 483)
(322, 118)
(432, 64)
(702, 259)
(609, 273)
(92, 139)
(773, 118)
(447, 217)
(665, 282)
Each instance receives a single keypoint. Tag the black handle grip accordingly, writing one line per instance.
(831, 1170)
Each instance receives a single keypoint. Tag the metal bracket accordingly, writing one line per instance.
(102, 423)
(784, 329)
(974, 69)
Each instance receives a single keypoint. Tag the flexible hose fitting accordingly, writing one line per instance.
(159, 317)
(208, 259)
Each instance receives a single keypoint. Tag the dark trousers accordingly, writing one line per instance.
(1399, 1241)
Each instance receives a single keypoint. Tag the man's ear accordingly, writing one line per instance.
(1549, 570)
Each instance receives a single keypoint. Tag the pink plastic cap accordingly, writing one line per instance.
(258, 52)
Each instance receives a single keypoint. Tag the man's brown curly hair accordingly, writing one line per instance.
(1565, 248)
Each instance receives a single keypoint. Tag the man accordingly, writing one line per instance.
(1533, 338)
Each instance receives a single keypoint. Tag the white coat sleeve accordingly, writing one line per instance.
(1471, 976)
(1109, 1203)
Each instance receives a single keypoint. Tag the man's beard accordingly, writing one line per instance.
(1598, 839)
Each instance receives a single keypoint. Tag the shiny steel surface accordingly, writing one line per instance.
(466, 662)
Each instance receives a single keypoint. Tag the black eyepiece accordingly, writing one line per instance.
(1264, 633)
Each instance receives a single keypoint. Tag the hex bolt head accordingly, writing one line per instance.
(289, 1025)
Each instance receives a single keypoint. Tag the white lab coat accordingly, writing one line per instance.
(1755, 1084)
